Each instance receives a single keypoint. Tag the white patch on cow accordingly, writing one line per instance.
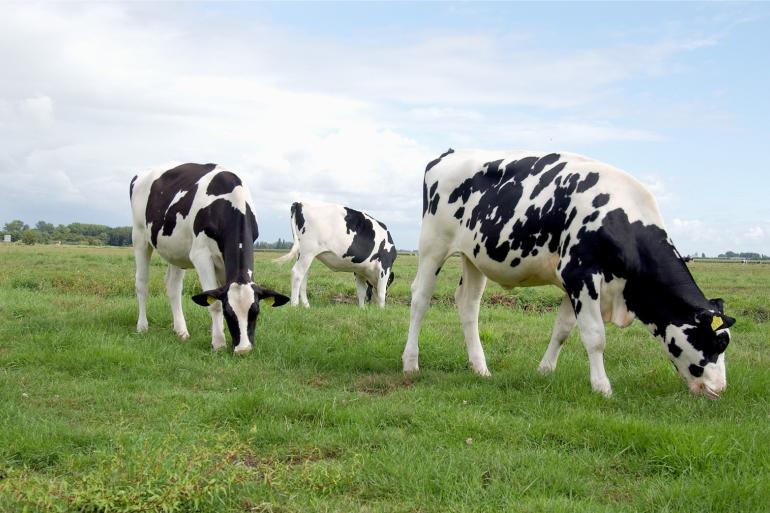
(177, 197)
(240, 297)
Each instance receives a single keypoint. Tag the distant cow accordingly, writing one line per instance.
(344, 240)
(200, 216)
(525, 219)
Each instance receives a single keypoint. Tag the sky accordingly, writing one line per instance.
(347, 102)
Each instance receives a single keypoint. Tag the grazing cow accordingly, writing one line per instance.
(344, 240)
(527, 219)
(200, 216)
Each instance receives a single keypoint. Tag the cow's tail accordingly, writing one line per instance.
(294, 251)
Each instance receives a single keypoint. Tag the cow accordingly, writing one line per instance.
(526, 219)
(201, 216)
(344, 240)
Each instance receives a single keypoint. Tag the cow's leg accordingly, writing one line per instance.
(591, 327)
(207, 275)
(174, 283)
(382, 290)
(142, 254)
(298, 275)
(303, 291)
(468, 299)
(422, 291)
(361, 286)
(565, 322)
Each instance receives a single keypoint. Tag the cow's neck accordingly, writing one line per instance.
(664, 293)
(238, 254)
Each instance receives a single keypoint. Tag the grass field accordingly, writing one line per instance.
(96, 418)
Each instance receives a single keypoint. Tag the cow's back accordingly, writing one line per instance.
(166, 203)
(516, 215)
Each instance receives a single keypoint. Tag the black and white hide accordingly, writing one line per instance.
(525, 219)
(201, 216)
(344, 240)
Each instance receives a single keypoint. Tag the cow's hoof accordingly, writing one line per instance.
(603, 387)
(411, 365)
(546, 368)
(481, 371)
(141, 326)
(242, 349)
(217, 345)
(184, 335)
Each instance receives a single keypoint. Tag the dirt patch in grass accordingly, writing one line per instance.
(292, 459)
(382, 384)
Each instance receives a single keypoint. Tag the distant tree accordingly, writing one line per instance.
(45, 227)
(15, 229)
(703, 255)
(31, 236)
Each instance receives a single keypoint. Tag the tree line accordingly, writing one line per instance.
(87, 234)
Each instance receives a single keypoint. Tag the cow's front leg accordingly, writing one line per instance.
(174, 283)
(142, 254)
(422, 291)
(565, 322)
(468, 300)
(591, 327)
(382, 290)
(208, 278)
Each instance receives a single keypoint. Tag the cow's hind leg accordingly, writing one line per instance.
(174, 283)
(591, 327)
(361, 287)
(298, 275)
(422, 291)
(468, 299)
(565, 322)
(142, 254)
(303, 290)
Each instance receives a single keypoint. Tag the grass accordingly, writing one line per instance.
(97, 418)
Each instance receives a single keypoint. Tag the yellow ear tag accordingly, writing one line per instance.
(269, 300)
(716, 322)
(211, 299)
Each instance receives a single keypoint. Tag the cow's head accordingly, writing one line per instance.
(240, 305)
(697, 349)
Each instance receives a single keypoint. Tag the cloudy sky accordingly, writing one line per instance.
(348, 102)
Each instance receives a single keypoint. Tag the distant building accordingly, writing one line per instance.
(7, 238)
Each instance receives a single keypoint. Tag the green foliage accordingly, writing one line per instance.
(319, 417)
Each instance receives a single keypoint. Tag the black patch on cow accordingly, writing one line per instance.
(426, 199)
(695, 370)
(502, 190)
(234, 233)
(438, 270)
(363, 236)
(459, 213)
(299, 218)
(476, 250)
(179, 180)
(659, 287)
(131, 187)
(386, 257)
(600, 200)
(516, 261)
(674, 349)
(223, 183)
(591, 218)
(589, 181)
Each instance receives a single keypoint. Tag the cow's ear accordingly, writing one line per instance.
(718, 321)
(718, 304)
(208, 297)
(270, 296)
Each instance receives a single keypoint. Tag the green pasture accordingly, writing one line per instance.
(319, 417)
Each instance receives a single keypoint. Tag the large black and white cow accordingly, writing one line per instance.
(527, 219)
(200, 215)
(344, 240)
